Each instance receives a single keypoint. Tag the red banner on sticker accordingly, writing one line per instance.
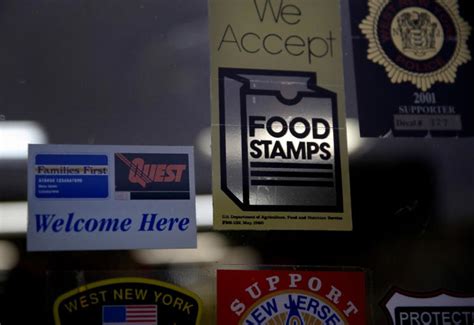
(250, 297)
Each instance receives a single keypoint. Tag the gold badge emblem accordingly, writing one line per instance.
(417, 41)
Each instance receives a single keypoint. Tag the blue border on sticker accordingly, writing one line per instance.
(51, 159)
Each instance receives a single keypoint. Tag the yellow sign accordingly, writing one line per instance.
(278, 117)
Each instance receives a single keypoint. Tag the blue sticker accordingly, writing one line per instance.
(71, 176)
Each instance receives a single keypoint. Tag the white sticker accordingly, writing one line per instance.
(437, 307)
(84, 197)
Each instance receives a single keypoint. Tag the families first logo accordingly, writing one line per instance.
(290, 297)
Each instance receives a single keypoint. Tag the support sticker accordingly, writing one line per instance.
(438, 307)
(290, 297)
(278, 118)
(124, 301)
(417, 53)
(110, 197)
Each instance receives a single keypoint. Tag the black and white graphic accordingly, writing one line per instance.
(279, 141)
(432, 308)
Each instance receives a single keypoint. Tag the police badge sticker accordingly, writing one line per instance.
(127, 301)
(419, 53)
(421, 42)
(248, 297)
(437, 307)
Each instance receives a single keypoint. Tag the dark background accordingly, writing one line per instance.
(374, 87)
(137, 72)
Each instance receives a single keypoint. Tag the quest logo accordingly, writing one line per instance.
(151, 176)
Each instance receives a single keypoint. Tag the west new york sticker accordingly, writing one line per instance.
(122, 301)
(110, 197)
(247, 297)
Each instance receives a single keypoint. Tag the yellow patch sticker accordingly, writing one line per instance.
(127, 300)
